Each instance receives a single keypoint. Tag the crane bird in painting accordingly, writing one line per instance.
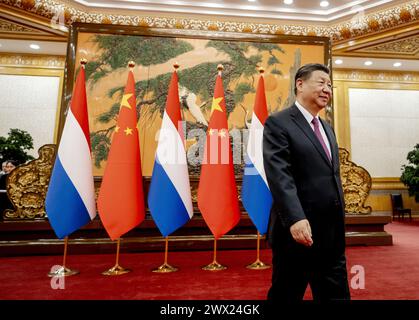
(189, 99)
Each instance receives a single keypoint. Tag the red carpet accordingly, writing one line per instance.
(390, 273)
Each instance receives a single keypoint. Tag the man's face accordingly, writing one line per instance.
(316, 90)
(9, 167)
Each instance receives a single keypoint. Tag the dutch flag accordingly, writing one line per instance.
(256, 196)
(169, 196)
(70, 200)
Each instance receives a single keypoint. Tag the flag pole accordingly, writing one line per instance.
(214, 265)
(63, 271)
(258, 264)
(165, 267)
(116, 270)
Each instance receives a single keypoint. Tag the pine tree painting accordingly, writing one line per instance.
(240, 60)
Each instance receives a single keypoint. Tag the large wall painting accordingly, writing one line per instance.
(108, 50)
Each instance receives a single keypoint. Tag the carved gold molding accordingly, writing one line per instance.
(356, 182)
(31, 31)
(375, 75)
(7, 26)
(27, 186)
(407, 46)
(388, 183)
(369, 23)
(386, 19)
(33, 61)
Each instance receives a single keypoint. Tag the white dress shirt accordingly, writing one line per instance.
(307, 115)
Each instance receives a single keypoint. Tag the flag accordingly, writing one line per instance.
(121, 198)
(169, 196)
(217, 192)
(70, 200)
(256, 196)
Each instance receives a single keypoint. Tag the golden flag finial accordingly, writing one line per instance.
(83, 62)
(220, 69)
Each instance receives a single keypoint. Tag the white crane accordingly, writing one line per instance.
(190, 98)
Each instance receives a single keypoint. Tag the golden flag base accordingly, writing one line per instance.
(165, 268)
(214, 266)
(63, 272)
(258, 265)
(116, 270)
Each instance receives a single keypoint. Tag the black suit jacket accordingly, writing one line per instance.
(4, 199)
(303, 182)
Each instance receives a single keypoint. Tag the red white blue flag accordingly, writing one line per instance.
(70, 200)
(256, 196)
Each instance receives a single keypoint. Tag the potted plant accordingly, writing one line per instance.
(16, 145)
(410, 174)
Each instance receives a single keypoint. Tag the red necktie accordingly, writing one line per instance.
(315, 122)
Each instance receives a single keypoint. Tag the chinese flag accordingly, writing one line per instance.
(121, 197)
(217, 192)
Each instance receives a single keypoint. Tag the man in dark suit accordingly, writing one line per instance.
(307, 227)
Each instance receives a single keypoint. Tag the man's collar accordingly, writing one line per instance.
(307, 115)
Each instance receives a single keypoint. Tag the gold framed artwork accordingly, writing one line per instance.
(109, 48)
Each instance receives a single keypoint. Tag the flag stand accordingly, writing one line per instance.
(116, 270)
(214, 265)
(165, 267)
(63, 271)
(258, 265)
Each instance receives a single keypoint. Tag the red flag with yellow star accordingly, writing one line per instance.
(121, 198)
(217, 192)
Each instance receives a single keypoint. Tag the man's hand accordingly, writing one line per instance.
(301, 232)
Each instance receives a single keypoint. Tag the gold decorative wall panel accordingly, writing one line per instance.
(32, 61)
(343, 79)
(35, 66)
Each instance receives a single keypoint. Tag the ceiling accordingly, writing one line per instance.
(24, 46)
(299, 10)
(384, 44)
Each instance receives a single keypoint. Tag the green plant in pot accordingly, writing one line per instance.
(410, 173)
(16, 145)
